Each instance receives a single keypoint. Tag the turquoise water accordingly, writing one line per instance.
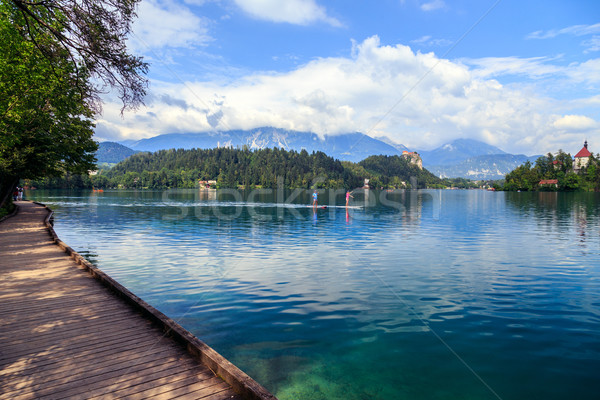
(417, 295)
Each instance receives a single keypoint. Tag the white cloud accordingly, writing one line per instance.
(165, 23)
(416, 99)
(575, 123)
(552, 77)
(575, 30)
(592, 44)
(427, 40)
(433, 5)
(534, 67)
(298, 12)
(587, 72)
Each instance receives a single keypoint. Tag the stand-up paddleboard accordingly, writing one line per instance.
(352, 207)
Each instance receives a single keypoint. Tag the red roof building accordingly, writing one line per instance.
(582, 158)
(584, 152)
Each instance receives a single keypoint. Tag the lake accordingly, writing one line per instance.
(432, 294)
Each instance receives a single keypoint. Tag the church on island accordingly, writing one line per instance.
(580, 162)
(582, 159)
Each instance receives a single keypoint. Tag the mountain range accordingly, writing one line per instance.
(472, 159)
(347, 147)
(464, 158)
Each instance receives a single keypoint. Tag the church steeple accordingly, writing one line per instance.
(585, 144)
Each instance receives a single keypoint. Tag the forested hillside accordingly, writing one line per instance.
(233, 168)
(112, 153)
(391, 171)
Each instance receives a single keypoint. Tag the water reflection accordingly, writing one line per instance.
(569, 214)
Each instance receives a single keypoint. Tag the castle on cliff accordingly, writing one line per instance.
(413, 158)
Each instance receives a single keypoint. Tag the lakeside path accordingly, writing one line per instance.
(64, 334)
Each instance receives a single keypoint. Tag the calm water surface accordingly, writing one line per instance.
(419, 295)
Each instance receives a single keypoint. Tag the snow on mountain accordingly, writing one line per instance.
(351, 146)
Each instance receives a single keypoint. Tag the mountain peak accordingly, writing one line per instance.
(458, 150)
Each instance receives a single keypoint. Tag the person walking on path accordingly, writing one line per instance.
(20, 196)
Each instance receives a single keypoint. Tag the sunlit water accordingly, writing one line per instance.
(419, 295)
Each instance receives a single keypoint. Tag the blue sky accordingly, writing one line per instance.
(521, 75)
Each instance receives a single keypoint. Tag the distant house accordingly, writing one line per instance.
(548, 182)
(582, 159)
(557, 164)
(207, 184)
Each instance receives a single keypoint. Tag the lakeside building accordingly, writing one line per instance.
(548, 182)
(207, 184)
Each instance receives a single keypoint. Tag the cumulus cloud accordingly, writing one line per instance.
(163, 23)
(298, 12)
(575, 123)
(414, 98)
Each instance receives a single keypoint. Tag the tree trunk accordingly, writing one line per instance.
(6, 190)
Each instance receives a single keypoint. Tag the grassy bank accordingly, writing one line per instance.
(7, 209)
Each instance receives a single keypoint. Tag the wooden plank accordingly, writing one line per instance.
(65, 370)
(196, 389)
(110, 350)
(150, 379)
(26, 303)
(54, 347)
(68, 315)
(56, 326)
(175, 381)
(75, 385)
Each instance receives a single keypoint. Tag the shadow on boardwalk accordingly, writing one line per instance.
(65, 335)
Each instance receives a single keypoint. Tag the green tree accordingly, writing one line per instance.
(524, 177)
(570, 182)
(46, 127)
(56, 57)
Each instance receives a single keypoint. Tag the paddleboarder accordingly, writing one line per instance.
(348, 195)
(315, 195)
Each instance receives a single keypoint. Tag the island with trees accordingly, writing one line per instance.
(557, 172)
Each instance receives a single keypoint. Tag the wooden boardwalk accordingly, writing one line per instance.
(64, 335)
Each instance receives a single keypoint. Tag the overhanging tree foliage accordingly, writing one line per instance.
(56, 58)
(92, 34)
